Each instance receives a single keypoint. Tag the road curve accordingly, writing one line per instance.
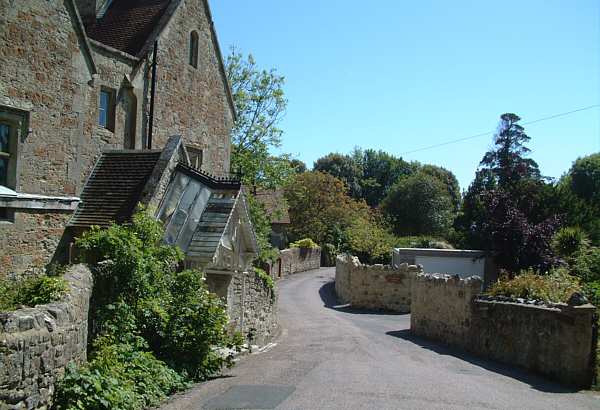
(331, 357)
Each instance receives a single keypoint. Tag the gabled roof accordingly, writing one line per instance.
(127, 24)
(132, 26)
(114, 187)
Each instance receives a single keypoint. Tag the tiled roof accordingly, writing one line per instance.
(275, 205)
(127, 24)
(114, 187)
(211, 227)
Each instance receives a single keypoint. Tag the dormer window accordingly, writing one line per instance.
(193, 57)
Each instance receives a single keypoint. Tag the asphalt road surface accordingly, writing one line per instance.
(332, 357)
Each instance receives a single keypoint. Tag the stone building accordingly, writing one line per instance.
(205, 216)
(78, 78)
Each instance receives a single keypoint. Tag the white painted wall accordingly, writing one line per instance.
(464, 267)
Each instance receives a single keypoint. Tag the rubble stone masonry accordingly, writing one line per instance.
(37, 343)
(252, 308)
(51, 79)
(557, 341)
(374, 286)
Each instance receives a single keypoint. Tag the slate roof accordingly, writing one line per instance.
(114, 187)
(275, 205)
(127, 24)
(211, 227)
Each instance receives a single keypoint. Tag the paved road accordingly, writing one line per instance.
(329, 357)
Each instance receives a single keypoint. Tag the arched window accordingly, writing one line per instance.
(194, 49)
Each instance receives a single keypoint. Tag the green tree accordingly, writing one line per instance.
(320, 207)
(419, 205)
(343, 167)
(260, 104)
(369, 174)
(509, 208)
(579, 192)
(507, 161)
(298, 166)
(447, 178)
(380, 171)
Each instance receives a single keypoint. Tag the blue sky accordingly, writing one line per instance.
(401, 75)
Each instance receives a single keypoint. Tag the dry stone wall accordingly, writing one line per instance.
(374, 286)
(37, 343)
(441, 307)
(557, 341)
(296, 260)
(252, 308)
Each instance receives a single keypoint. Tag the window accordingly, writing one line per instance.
(106, 113)
(195, 155)
(10, 124)
(5, 152)
(193, 59)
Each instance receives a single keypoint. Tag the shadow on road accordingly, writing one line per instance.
(329, 298)
(536, 382)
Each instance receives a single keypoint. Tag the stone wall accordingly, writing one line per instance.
(252, 308)
(193, 102)
(556, 341)
(295, 260)
(374, 286)
(27, 245)
(50, 82)
(37, 344)
(44, 92)
(441, 307)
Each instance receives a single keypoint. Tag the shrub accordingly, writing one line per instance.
(555, 287)
(427, 242)
(153, 327)
(305, 243)
(196, 324)
(586, 265)
(31, 291)
(569, 241)
(328, 254)
(266, 279)
(118, 376)
(369, 241)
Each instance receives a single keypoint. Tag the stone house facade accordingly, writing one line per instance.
(78, 78)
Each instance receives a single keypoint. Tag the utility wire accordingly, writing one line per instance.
(483, 134)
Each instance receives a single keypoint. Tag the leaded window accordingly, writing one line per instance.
(5, 152)
(106, 109)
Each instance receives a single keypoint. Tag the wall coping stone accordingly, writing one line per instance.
(554, 307)
(54, 314)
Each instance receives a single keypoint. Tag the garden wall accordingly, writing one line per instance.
(374, 286)
(295, 260)
(252, 308)
(557, 341)
(37, 343)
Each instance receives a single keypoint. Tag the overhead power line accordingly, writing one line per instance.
(483, 134)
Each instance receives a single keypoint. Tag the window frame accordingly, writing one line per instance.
(195, 153)
(18, 121)
(194, 45)
(110, 109)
